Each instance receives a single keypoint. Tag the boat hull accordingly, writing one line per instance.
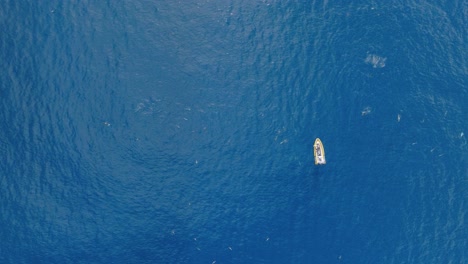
(319, 152)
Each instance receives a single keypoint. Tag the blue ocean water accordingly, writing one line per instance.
(182, 131)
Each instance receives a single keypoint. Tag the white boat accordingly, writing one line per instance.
(319, 152)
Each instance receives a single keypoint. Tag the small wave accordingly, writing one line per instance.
(375, 60)
(367, 110)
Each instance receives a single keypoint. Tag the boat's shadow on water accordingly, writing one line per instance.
(316, 176)
(311, 184)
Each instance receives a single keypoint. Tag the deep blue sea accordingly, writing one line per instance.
(182, 131)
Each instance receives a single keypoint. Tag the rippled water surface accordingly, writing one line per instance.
(182, 132)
